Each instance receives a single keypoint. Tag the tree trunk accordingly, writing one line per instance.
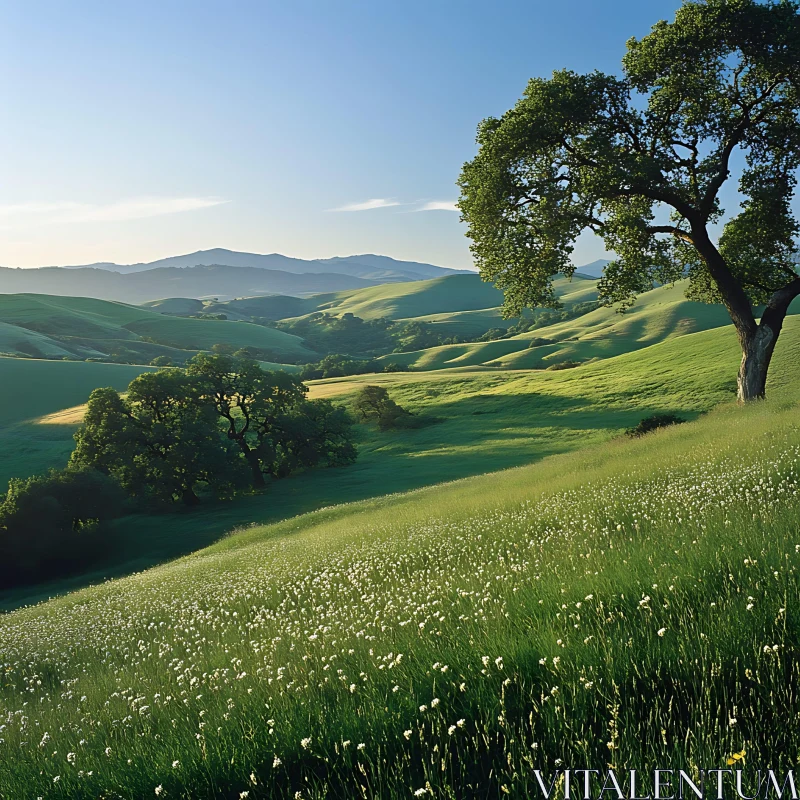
(253, 462)
(190, 498)
(759, 344)
(757, 352)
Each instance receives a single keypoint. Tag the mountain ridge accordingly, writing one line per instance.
(221, 281)
(366, 265)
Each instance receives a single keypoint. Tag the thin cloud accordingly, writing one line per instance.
(25, 214)
(438, 205)
(367, 205)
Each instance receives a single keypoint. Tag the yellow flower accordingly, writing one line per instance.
(736, 757)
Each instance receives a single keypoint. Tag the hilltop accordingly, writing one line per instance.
(46, 326)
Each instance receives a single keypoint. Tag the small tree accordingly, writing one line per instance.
(315, 433)
(608, 154)
(373, 402)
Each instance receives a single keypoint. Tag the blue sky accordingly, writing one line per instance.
(136, 130)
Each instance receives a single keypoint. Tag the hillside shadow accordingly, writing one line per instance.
(478, 434)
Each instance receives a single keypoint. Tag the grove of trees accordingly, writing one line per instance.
(221, 425)
(641, 159)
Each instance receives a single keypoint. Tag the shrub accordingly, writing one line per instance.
(52, 525)
(563, 365)
(652, 423)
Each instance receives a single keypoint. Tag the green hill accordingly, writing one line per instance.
(415, 299)
(437, 300)
(589, 609)
(659, 314)
(490, 420)
(179, 306)
(45, 326)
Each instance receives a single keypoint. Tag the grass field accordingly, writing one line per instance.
(658, 315)
(491, 420)
(49, 326)
(634, 603)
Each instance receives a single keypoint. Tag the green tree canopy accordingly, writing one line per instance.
(249, 400)
(640, 160)
(158, 441)
(51, 524)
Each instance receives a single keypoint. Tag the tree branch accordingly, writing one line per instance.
(673, 230)
(779, 304)
(737, 135)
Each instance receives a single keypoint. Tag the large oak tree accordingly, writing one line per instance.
(640, 160)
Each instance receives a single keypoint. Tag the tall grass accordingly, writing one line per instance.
(635, 604)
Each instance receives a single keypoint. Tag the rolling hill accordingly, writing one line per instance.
(44, 326)
(490, 419)
(659, 314)
(464, 303)
(624, 593)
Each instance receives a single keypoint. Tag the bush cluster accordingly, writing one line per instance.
(53, 524)
(373, 402)
(652, 423)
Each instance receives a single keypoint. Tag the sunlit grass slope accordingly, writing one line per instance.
(414, 299)
(587, 610)
(30, 388)
(49, 326)
(489, 420)
(658, 315)
(462, 304)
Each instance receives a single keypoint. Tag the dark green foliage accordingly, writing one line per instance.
(563, 365)
(249, 402)
(492, 334)
(652, 423)
(373, 402)
(161, 361)
(158, 442)
(608, 153)
(327, 333)
(314, 433)
(337, 365)
(51, 525)
(176, 434)
(416, 335)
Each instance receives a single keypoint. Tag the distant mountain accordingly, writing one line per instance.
(595, 269)
(380, 269)
(220, 281)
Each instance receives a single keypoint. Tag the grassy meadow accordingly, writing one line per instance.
(660, 314)
(633, 603)
(488, 420)
(45, 326)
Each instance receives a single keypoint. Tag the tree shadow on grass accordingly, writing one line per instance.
(478, 434)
